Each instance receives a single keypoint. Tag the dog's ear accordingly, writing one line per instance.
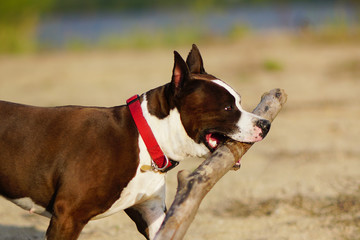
(180, 72)
(194, 61)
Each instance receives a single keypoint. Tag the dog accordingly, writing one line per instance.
(74, 164)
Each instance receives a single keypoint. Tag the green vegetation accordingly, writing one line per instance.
(239, 31)
(336, 30)
(18, 20)
(272, 65)
(116, 5)
(141, 39)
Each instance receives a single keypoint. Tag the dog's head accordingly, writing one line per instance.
(210, 110)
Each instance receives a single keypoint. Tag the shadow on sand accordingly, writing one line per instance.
(20, 233)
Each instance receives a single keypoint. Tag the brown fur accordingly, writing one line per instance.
(49, 154)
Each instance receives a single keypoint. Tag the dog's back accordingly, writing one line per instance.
(42, 149)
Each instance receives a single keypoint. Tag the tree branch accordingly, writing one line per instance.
(192, 187)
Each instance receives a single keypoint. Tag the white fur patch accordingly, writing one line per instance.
(152, 211)
(231, 91)
(149, 187)
(144, 186)
(171, 135)
(29, 205)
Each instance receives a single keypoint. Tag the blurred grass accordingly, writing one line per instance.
(135, 40)
(143, 39)
(336, 30)
(18, 28)
(22, 39)
(239, 31)
(18, 22)
(19, 35)
(331, 35)
(272, 65)
(18, 38)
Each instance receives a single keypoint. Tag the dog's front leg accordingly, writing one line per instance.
(148, 216)
(64, 227)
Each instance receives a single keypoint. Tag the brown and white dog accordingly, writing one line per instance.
(74, 164)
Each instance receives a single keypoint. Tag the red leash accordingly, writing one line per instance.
(161, 162)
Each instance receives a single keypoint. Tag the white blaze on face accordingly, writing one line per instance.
(247, 131)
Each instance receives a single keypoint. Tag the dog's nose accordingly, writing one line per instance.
(264, 125)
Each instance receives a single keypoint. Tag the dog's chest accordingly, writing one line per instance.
(144, 186)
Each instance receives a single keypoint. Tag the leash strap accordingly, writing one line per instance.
(161, 162)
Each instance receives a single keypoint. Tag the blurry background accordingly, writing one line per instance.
(82, 24)
(301, 182)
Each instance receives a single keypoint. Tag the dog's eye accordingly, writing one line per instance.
(228, 108)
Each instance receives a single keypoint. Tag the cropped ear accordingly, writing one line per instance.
(180, 72)
(194, 61)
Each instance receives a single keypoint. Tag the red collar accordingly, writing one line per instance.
(160, 161)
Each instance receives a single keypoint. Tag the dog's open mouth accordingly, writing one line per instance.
(214, 140)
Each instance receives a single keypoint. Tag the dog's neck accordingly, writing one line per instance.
(171, 135)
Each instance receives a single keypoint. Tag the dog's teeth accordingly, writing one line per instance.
(213, 143)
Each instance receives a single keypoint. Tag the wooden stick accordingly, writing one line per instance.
(192, 187)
